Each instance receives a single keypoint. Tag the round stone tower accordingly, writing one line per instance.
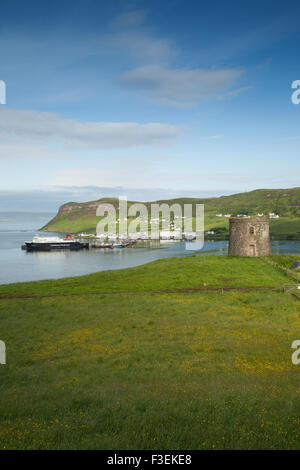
(249, 236)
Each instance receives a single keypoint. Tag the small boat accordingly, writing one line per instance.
(127, 243)
(102, 245)
(54, 243)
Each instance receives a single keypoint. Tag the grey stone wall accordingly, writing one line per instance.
(249, 236)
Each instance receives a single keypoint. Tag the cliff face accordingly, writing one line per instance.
(82, 214)
(74, 207)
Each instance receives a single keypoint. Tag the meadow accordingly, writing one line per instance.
(182, 353)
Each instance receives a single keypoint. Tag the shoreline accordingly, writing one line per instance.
(215, 253)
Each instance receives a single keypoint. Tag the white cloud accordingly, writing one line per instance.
(180, 87)
(44, 127)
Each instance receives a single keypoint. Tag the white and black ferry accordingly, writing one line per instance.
(54, 243)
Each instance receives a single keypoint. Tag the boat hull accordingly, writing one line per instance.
(73, 246)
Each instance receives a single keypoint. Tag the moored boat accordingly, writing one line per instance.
(54, 243)
(102, 245)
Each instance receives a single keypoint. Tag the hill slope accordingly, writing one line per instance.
(80, 217)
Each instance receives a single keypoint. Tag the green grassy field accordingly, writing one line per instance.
(133, 359)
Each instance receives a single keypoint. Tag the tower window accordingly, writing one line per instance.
(251, 230)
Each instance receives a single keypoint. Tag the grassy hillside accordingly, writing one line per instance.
(80, 217)
(144, 368)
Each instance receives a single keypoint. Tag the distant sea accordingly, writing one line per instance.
(17, 265)
(16, 221)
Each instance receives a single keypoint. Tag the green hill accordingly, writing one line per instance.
(80, 217)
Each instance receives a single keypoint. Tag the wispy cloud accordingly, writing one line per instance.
(139, 46)
(237, 91)
(129, 19)
(82, 135)
(130, 175)
(154, 74)
(212, 137)
(128, 35)
(181, 87)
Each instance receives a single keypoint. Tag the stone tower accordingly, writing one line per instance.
(249, 236)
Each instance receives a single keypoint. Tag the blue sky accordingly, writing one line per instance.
(149, 99)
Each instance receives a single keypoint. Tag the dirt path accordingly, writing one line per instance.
(162, 291)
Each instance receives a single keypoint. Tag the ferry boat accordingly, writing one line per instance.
(54, 243)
